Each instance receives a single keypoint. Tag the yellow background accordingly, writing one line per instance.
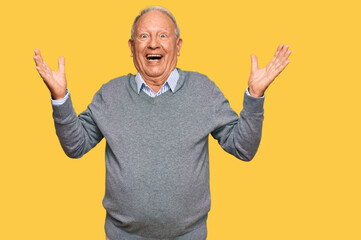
(304, 182)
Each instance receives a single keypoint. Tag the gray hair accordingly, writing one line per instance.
(156, 8)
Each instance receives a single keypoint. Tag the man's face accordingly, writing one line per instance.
(155, 47)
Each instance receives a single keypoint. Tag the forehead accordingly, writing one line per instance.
(154, 20)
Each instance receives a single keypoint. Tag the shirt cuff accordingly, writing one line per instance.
(60, 101)
(247, 92)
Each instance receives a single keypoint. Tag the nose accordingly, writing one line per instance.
(153, 43)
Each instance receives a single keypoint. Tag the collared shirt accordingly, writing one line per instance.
(171, 83)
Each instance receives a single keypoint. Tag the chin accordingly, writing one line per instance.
(155, 73)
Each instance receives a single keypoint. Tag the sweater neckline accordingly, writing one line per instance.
(162, 96)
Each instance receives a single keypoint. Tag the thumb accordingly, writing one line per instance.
(61, 65)
(254, 63)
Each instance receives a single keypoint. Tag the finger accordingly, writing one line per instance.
(254, 61)
(38, 54)
(39, 59)
(284, 51)
(288, 53)
(276, 58)
(272, 67)
(42, 68)
(278, 61)
(281, 67)
(40, 64)
(273, 62)
(61, 65)
(279, 49)
(284, 64)
(285, 56)
(36, 59)
(42, 73)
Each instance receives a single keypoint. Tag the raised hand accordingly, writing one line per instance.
(55, 81)
(260, 79)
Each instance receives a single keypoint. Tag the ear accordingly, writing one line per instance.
(179, 45)
(131, 46)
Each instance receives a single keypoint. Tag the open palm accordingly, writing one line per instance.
(260, 79)
(55, 81)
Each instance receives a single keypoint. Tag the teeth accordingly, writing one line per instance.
(153, 57)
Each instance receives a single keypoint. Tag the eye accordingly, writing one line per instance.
(163, 35)
(143, 35)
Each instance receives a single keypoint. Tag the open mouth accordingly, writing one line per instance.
(154, 57)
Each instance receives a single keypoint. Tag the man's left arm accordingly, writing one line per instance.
(241, 136)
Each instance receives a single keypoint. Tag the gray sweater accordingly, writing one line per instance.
(157, 160)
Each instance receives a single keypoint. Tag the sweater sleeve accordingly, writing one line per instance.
(77, 134)
(239, 136)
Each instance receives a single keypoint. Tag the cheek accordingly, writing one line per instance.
(139, 48)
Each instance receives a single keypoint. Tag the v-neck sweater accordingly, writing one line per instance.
(157, 159)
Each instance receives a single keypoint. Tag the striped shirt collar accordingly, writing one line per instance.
(171, 81)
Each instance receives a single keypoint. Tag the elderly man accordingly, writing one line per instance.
(156, 125)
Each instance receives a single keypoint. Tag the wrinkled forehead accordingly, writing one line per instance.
(155, 21)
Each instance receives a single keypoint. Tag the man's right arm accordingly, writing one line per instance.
(77, 135)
